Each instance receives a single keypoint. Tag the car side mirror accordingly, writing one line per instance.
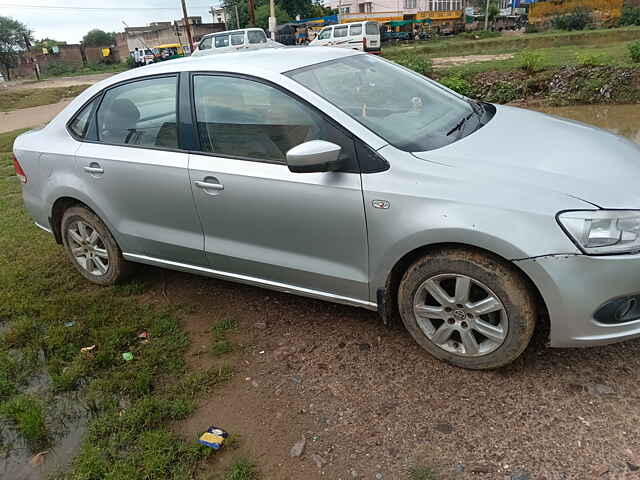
(314, 156)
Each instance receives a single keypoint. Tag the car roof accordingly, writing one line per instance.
(237, 30)
(253, 62)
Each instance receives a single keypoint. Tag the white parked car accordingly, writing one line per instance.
(363, 36)
(233, 41)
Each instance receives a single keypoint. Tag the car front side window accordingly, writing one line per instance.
(242, 118)
(325, 34)
(141, 113)
(205, 44)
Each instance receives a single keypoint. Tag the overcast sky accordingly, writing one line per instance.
(73, 18)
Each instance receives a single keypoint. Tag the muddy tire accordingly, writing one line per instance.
(91, 247)
(467, 308)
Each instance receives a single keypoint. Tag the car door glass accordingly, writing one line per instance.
(372, 29)
(80, 124)
(237, 38)
(355, 30)
(205, 44)
(256, 36)
(246, 119)
(222, 41)
(325, 34)
(339, 32)
(140, 113)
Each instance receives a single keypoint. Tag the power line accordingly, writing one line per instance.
(58, 7)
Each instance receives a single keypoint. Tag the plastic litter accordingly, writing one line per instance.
(128, 356)
(87, 349)
(214, 437)
(70, 324)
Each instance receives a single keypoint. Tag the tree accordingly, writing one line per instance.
(262, 16)
(14, 36)
(99, 38)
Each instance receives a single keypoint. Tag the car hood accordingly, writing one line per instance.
(549, 153)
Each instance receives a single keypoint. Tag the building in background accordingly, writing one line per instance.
(442, 13)
(219, 15)
(160, 33)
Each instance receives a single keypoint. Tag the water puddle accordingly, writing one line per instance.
(66, 419)
(621, 119)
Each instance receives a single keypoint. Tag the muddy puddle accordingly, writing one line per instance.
(66, 417)
(621, 119)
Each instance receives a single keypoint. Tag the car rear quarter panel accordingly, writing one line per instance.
(433, 203)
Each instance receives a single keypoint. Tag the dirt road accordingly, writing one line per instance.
(30, 117)
(55, 82)
(370, 402)
(444, 62)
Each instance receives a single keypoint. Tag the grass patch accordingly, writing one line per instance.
(241, 469)
(221, 345)
(133, 403)
(26, 413)
(34, 97)
(64, 70)
(419, 472)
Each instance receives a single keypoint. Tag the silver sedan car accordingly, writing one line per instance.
(341, 176)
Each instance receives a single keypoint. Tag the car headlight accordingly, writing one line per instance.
(603, 231)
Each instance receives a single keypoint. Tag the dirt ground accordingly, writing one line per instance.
(370, 403)
(444, 62)
(55, 82)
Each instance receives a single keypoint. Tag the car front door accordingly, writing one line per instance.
(324, 38)
(262, 223)
(137, 177)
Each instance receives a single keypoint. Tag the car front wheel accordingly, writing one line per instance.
(91, 247)
(468, 308)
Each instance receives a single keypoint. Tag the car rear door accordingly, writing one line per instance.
(372, 36)
(136, 175)
(262, 223)
(356, 34)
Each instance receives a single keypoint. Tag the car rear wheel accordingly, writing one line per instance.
(91, 247)
(468, 308)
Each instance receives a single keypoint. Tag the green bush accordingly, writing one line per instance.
(634, 51)
(56, 69)
(458, 84)
(576, 20)
(531, 28)
(416, 63)
(529, 61)
(480, 34)
(502, 92)
(590, 59)
(630, 16)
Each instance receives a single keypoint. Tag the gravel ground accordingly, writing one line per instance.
(370, 403)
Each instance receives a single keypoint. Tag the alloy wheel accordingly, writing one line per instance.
(88, 248)
(460, 315)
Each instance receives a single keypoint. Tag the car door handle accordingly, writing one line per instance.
(94, 168)
(209, 184)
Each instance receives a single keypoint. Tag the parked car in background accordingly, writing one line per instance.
(233, 41)
(341, 176)
(363, 36)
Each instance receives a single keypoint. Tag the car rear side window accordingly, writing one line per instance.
(237, 38)
(242, 118)
(205, 44)
(372, 28)
(80, 124)
(256, 36)
(222, 41)
(340, 32)
(355, 30)
(140, 113)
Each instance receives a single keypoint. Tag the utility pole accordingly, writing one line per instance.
(187, 26)
(252, 15)
(272, 19)
(237, 17)
(486, 16)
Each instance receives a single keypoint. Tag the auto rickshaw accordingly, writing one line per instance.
(168, 51)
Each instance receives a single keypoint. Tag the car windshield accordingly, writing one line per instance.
(403, 107)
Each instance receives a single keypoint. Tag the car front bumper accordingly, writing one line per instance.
(574, 287)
